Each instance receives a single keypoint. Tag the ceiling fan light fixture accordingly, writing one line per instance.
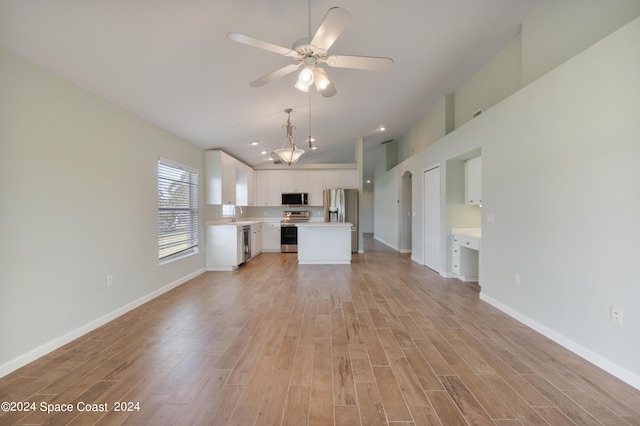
(301, 86)
(321, 79)
(306, 75)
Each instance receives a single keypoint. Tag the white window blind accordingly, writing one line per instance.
(177, 210)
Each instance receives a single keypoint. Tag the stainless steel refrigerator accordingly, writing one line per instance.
(341, 205)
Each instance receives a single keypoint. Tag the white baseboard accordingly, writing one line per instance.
(594, 358)
(60, 341)
(386, 243)
(416, 260)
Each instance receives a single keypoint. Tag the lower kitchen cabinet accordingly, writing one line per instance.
(465, 254)
(224, 247)
(257, 239)
(271, 236)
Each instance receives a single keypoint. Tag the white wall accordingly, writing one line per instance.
(560, 174)
(560, 29)
(366, 207)
(498, 79)
(429, 129)
(386, 208)
(78, 184)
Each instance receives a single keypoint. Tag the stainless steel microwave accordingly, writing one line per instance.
(295, 199)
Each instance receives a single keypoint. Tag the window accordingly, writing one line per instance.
(177, 210)
(227, 210)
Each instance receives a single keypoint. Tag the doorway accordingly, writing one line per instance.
(406, 217)
(431, 209)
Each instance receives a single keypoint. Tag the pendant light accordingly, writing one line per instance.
(288, 153)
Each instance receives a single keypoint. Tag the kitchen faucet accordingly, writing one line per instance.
(233, 213)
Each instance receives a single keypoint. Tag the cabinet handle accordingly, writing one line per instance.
(467, 243)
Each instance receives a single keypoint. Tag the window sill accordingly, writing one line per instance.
(179, 256)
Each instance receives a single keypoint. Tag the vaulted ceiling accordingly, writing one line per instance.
(171, 63)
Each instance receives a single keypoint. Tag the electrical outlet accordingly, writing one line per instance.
(109, 280)
(616, 315)
(516, 279)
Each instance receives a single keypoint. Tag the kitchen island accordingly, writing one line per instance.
(324, 243)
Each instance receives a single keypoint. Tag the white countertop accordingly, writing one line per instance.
(468, 232)
(314, 221)
(228, 222)
(325, 224)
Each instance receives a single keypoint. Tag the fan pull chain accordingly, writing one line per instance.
(310, 146)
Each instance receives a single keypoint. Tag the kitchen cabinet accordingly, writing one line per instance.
(473, 181)
(257, 239)
(465, 254)
(245, 191)
(220, 176)
(227, 180)
(272, 236)
(329, 179)
(223, 247)
(339, 178)
(274, 188)
(347, 179)
(251, 186)
(268, 188)
(261, 188)
(315, 188)
(295, 180)
(270, 184)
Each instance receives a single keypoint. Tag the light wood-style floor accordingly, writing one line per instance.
(382, 341)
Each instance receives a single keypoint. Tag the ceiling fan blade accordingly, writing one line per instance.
(334, 22)
(359, 62)
(275, 75)
(261, 44)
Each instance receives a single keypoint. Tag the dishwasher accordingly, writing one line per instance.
(246, 243)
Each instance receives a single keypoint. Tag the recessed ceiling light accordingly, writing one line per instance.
(382, 128)
(314, 147)
(270, 159)
(264, 152)
(254, 143)
(312, 139)
(368, 180)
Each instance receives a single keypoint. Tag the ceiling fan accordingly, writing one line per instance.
(309, 52)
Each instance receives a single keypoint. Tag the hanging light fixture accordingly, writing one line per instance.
(289, 153)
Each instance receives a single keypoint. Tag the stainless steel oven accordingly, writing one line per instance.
(289, 230)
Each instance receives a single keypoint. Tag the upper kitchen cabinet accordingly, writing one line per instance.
(295, 180)
(268, 188)
(228, 181)
(270, 184)
(347, 178)
(245, 185)
(315, 188)
(473, 181)
(339, 178)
